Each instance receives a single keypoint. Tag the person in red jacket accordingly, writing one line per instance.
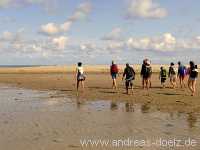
(114, 72)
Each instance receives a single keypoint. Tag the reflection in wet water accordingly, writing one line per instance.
(192, 120)
(21, 100)
(129, 107)
(113, 105)
(145, 108)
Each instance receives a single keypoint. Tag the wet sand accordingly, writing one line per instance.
(98, 87)
(43, 112)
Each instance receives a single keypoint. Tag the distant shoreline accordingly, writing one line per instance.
(20, 66)
(68, 69)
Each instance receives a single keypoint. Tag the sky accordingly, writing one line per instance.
(57, 32)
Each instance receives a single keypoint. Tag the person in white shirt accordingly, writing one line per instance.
(80, 76)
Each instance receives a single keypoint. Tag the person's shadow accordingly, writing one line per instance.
(168, 94)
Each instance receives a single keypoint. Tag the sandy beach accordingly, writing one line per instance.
(41, 110)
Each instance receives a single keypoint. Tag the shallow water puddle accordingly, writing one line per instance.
(21, 100)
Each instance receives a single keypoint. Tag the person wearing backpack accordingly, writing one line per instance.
(146, 73)
(129, 74)
(163, 76)
(193, 74)
(172, 75)
(114, 72)
(181, 74)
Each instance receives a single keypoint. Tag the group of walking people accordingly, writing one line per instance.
(181, 73)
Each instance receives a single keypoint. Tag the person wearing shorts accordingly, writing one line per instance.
(80, 76)
(163, 76)
(172, 75)
(114, 72)
(193, 74)
(181, 74)
(146, 73)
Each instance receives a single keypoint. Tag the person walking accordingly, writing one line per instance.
(80, 76)
(172, 75)
(146, 73)
(114, 72)
(193, 74)
(163, 76)
(181, 74)
(129, 75)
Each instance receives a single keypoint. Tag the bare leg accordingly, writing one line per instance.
(132, 88)
(77, 85)
(83, 85)
(126, 90)
(115, 81)
(147, 83)
(189, 85)
(114, 86)
(174, 83)
(127, 85)
(180, 81)
(193, 87)
(184, 82)
(150, 85)
(143, 83)
(163, 85)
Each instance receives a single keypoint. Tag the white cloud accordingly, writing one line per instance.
(114, 45)
(7, 36)
(60, 42)
(145, 9)
(18, 44)
(114, 40)
(11, 37)
(66, 26)
(50, 29)
(87, 46)
(115, 34)
(63, 46)
(80, 13)
(165, 42)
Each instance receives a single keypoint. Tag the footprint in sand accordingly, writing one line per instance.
(169, 125)
(57, 140)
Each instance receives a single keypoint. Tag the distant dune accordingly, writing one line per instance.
(70, 69)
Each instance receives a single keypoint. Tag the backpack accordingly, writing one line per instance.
(194, 73)
(163, 73)
(172, 71)
(114, 69)
(130, 72)
(148, 71)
